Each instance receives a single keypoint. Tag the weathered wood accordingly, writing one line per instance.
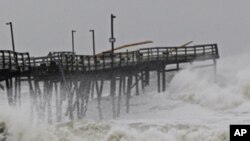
(70, 95)
(77, 102)
(158, 81)
(163, 80)
(142, 80)
(119, 96)
(39, 100)
(124, 85)
(92, 89)
(137, 84)
(83, 73)
(57, 101)
(147, 77)
(112, 93)
(128, 95)
(49, 100)
(19, 91)
(31, 97)
(99, 96)
(215, 69)
(9, 92)
(16, 91)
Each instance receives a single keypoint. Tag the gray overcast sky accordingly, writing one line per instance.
(44, 25)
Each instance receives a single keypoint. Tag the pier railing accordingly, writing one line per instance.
(72, 62)
(13, 61)
(180, 54)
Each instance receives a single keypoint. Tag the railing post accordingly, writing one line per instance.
(133, 57)
(77, 63)
(89, 63)
(16, 61)
(82, 60)
(95, 61)
(120, 60)
(138, 57)
(67, 65)
(212, 50)
(176, 54)
(3, 59)
(185, 54)
(127, 57)
(72, 62)
(157, 53)
(22, 61)
(203, 47)
(103, 58)
(167, 54)
(216, 50)
(148, 54)
(34, 62)
(29, 61)
(194, 52)
(10, 63)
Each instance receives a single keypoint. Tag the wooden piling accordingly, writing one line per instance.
(9, 92)
(112, 92)
(158, 81)
(119, 96)
(136, 84)
(129, 84)
(142, 80)
(163, 80)
(99, 96)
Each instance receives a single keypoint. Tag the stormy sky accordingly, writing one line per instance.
(41, 26)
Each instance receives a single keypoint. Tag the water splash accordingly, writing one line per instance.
(195, 107)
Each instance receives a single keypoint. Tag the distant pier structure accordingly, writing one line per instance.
(63, 82)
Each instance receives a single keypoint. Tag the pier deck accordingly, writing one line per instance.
(80, 77)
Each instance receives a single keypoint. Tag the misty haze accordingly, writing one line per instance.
(111, 70)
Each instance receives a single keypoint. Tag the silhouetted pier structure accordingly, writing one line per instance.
(65, 78)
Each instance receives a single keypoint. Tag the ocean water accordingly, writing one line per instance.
(197, 105)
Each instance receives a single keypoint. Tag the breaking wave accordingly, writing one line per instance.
(198, 105)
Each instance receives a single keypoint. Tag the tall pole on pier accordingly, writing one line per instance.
(73, 41)
(112, 39)
(93, 40)
(12, 35)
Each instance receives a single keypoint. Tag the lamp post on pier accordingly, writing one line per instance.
(112, 39)
(12, 35)
(73, 41)
(93, 40)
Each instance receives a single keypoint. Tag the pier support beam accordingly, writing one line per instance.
(129, 85)
(147, 77)
(119, 96)
(137, 84)
(159, 80)
(142, 80)
(163, 80)
(215, 69)
(99, 96)
(112, 93)
(9, 89)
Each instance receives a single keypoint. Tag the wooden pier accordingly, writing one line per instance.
(65, 78)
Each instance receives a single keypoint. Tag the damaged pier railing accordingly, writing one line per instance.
(146, 56)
